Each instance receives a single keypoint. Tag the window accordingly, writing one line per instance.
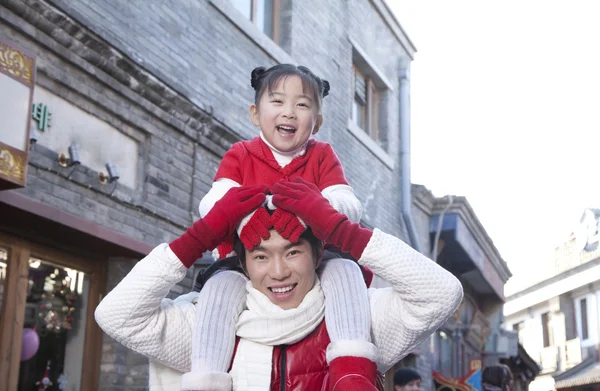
(263, 13)
(583, 319)
(365, 107)
(369, 90)
(519, 328)
(546, 329)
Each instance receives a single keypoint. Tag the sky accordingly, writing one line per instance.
(505, 110)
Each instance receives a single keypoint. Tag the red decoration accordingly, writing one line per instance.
(45, 382)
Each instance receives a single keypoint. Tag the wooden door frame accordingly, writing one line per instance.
(14, 300)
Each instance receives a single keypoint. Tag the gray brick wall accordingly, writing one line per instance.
(121, 368)
(176, 78)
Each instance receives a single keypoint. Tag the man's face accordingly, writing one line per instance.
(282, 270)
(414, 385)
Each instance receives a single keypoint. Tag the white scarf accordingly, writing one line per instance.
(264, 325)
(284, 158)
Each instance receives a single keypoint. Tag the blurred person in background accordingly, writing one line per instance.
(407, 379)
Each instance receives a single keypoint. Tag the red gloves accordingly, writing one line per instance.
(349, 373)
(288, 225)
(218, 224)
(306, 201)
(256, 228)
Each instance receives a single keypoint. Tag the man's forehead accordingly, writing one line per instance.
(276, 243)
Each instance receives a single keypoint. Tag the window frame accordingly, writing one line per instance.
(254, 7)
(589, 302)
(546, 330)
(379, 83)
(249, 29)
(370, 114)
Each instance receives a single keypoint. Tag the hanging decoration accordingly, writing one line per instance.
(57, 303)
(45, 382)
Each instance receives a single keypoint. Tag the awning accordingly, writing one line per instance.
(588, 372)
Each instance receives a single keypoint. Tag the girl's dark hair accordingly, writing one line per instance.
(230, 263)
(263, 79)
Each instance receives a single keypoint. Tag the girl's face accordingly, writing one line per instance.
(287, 116)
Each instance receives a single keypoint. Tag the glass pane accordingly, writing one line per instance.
(244, 6)
(264, 16)
(14, 110)
(55, 315)
(3, 264)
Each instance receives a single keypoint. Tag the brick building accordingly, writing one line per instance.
(134, 104)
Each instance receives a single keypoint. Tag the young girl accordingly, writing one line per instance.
(288, 110)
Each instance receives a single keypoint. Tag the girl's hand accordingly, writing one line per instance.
(218, 224)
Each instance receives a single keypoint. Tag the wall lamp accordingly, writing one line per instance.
(33, 135)
(112, 174)
(73, 158)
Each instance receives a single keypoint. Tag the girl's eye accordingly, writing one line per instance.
(276, 101)
(302, 104)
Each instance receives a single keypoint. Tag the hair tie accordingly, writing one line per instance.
(325, 88)
(256, 75)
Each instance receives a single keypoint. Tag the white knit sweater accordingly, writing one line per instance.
(422, 296)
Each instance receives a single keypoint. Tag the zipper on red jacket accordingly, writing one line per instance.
(282, 368)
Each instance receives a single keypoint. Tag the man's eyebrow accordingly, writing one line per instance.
(290, 245)
(258, 248)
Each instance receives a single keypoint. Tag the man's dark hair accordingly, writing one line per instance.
(403, 376)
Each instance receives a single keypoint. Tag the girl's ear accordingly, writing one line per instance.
(318, 124)
(254, 115)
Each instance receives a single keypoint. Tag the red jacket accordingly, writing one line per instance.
(252, 163)
(303, 365)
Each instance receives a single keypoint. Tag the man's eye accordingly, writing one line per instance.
(293, 252)
(260, 257)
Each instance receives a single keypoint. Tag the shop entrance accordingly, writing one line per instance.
(48, 337)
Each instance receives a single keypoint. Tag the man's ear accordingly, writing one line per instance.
(318, 124)
(320, 255)
(254, 115)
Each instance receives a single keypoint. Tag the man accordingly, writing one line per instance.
(407, 379)
(283, 342)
